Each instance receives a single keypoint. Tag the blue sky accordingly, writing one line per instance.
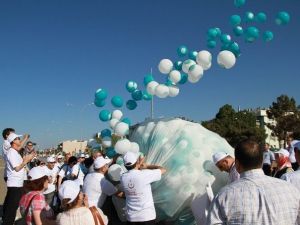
(55, 54)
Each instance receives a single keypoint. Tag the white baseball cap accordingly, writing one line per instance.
(59, 156)
(284, 152)
(69, 189)
(12, 136)
(100, 162)
(217, 157)
(51, 159)
(130, 158)
(37, 173)
(87, 156)
(82, 155)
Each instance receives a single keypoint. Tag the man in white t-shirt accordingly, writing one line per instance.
(15, 178)
(136, 184)
(52, 172)
(96, 186)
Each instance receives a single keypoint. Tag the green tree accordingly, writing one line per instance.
(235, 126)
(286, 114)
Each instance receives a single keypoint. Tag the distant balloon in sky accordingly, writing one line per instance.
(226, 59)
(147, 79)
(175, 76)
(182, 51)
(131, 104)
(282, 18)
(192, 55)
(195, 72)
(165, 66)
(117, 114)
(101, 94)
(117, 101)
(186, 65)
(151, 87)
(225, 38)
(238, 31)
(235, 20)
(178, 65)
(106, 133)
(251, 34)
(104, 115)
(173, 91)
(126, 120)
(211, 44)
(131, 86)
(213, 33)
(122, 146)
(161, 91)
(268, 36)
(113, 122)
(249, 17)
(121, 129)
(99, 102)
(204, 58)
(184, 78)
(239, 3)
(137, 95)
(261, 17)
(146, 96)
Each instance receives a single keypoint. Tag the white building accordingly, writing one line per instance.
(74, 146)
(261, 120)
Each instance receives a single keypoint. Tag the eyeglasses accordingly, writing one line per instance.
(29, 145)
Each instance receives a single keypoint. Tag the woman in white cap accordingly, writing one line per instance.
(75, 206)
(283, 163)
(33, 205)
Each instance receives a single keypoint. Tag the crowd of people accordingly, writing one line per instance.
(263, 186)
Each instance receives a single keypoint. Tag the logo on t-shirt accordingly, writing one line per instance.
(130, 185)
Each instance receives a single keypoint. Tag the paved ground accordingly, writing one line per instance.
(2, 185)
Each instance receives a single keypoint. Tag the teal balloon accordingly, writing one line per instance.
(193, 55)
(147, 79)
(131, 86)
(104, 115)
(126, 120)
(99, 103)
(106, 133)
(282, 18)
(235, 20)
(225, 38)
(261, 17)
(110, 152)
(131, 104)
(137, 95)
(184, 78)
(239, 3)
(235, 49)
(212, 33)
(147, 96)
(117, 101)
(268, 36)
(219, 32)
(249, 17)
(101, 94)
(182, 51)
(211, 44)
(238, 31)
(178, 65)
(120, 161)
(168, 83)
(251, 34)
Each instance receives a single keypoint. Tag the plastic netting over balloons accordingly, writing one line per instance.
(184, 149)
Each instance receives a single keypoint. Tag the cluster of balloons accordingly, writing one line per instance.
(179, 72)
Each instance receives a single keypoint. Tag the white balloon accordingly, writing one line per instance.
(192, 79)
(175, 76)
(135, 147)
(115, 171)
(195, 72)
(186, 65)
(165, 66)
(204, 58)
(121, 129)
(161, 91)
(117, 114)
(226, 59)
(173, 91)
(106, 142)
(113, 122)
(206, 67)
(122, 146)
(151, 87)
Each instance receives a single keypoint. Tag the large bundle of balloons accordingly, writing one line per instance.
(189, 67)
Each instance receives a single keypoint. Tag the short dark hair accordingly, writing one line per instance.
(249, 154)
(130, 167)
(35, 185)
(72, 160)
(7, 131)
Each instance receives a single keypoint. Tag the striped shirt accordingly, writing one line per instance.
(256, 199)
(293, 177)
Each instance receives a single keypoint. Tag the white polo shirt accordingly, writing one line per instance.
(5, 147)
(139, 200)
(53, 174)
(77, 171)
(14, 178)
(97, 188)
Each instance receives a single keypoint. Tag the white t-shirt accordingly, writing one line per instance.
(97, 187)
(5, 148)
(14, 178)
(77, 171)
(53, 174)
(268, 157)
(65, 171)
(139, 200)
